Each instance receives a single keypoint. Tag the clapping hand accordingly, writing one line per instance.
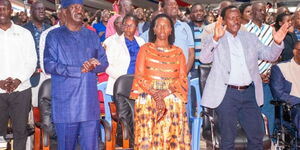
(281, 33)
(89, 65)
(9, 84)
(219, 30)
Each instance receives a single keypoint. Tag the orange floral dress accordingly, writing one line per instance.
(160, 69)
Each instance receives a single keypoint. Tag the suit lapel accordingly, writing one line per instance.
(226, 52)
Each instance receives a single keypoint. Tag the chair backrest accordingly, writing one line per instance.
(125, 106)
(122, 88)
(44, 104)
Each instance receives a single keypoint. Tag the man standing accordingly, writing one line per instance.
(234, 86)
(17, 64)
(73, 56)
(264, 33)
(197, 26)
(36, 26)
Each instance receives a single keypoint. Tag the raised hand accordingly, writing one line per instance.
(219, 30)
(281, 33)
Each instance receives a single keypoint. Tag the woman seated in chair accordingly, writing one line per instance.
(160, 91)
(122, 51)
(285, 84)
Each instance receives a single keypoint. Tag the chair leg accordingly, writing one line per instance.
(46, 147)
(114, 133)
(37, 138)
(125, 141)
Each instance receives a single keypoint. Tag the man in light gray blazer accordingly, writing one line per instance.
(234, 86)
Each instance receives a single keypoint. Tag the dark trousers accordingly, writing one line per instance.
(240, 106)
(68, 133)
(15, 106)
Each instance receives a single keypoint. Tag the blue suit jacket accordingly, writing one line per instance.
(280, 87)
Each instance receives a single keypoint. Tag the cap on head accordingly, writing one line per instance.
(67, 3)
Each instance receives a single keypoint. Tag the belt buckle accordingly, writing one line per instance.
(239, 88)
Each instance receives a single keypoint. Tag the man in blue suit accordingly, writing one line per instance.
(285, 83)
(73, 55)
(234, 86)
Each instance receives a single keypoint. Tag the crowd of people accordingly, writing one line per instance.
(254, 57)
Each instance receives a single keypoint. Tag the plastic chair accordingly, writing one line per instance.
(194, 115)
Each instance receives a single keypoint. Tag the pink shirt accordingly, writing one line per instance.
(110, 29)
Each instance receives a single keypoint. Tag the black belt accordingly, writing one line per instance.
(239, 87)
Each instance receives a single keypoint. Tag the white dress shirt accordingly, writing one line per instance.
(239, 74)
(18, 55)
(42, 47)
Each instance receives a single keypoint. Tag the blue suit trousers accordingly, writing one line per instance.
(240, 106)
(68, 133)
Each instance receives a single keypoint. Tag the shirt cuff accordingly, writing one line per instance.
(280, 46)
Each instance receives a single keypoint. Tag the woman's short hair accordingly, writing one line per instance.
(135, 19)
(152, 36)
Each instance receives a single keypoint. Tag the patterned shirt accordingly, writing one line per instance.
(264, 34)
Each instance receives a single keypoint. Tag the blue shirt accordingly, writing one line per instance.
(297, 32)
(100, 27)
(183, 37)
(133, 48)
(74, 94)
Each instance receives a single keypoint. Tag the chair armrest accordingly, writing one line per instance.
(266, 122)
(113, 111)
(107, 129)
(278, 102)
(125, 128)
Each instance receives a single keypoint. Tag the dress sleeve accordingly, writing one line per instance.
(180, 87)
(140, 84)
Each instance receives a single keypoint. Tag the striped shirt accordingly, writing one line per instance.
(264, 34)
(197, 40)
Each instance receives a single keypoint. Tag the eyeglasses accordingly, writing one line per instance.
(129, 26)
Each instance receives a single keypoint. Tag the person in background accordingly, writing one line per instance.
(209, 19)
(197, 27)
(122, 52)
(125, 7)
(17, 64)
(290, 38)
(160, 91)
(296, 22)
(73, 56)
(23, 18)
(61, 22)
(101, 25)
(246, 11)
(282, 9)
(143, 25)
(264, 33)
(36, 26)
(85, 23)
(285, 84)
